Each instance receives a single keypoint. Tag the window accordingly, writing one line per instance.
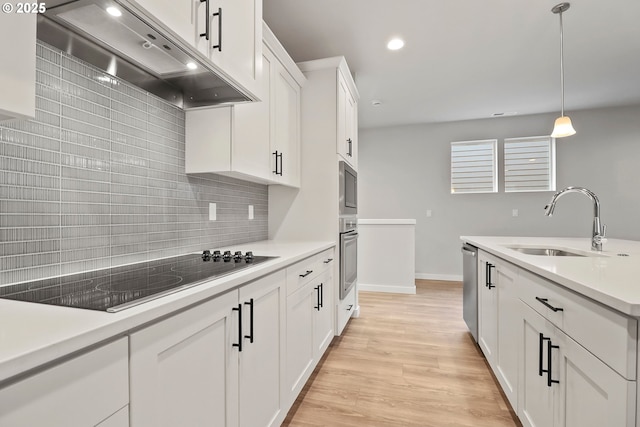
(530, 164)
(474, 166)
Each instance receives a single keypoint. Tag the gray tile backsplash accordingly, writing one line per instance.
(97, 179)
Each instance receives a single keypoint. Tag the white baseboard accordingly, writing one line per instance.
(444, 277)
(387, 288)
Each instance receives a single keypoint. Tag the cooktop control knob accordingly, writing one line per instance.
(237, 256)
(216, 255)
(227, 256)
(248, 257)
(206, 255)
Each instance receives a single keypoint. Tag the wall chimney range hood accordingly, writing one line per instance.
(113, 36)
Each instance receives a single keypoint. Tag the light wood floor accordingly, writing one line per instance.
(408, 361)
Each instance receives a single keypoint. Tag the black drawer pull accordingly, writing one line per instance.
(540, 348)
(328, 260)
(546, 304)
(549, 380)
(306, 274)
(321, 295)
(239, 310)
(350, 307)
(489, 284)
(317, 307)
(250, 336)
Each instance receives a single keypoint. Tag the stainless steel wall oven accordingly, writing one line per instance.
(348, 254)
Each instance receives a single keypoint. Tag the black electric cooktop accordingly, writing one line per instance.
(114, 289)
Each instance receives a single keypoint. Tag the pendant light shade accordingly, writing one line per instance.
(563, 126)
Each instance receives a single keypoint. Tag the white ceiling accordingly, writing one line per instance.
(468, 59)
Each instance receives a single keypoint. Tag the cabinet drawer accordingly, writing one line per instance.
(82, 391)
(345, 310)
(308, 269)
(608, 334)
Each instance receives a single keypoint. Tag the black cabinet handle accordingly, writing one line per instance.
(489, 267)
(328, 260)
(219, 15)
(321, 294)
(546, 304)
(239, 310)
(317, 306)
(549, 380)
(541, 347)
(350, 307)
(278, 156)
(250, 336)
(350, 153)
(306, 274)
(206, 25)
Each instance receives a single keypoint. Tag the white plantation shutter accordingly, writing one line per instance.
(474, 166)
(529, 164)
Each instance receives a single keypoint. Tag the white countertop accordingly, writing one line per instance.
(605, 277)
(386, 222)
(33, 334)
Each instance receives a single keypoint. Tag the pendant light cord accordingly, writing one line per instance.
(561, 68)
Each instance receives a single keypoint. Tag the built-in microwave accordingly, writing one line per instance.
(348, 198)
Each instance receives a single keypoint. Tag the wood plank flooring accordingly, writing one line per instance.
(408, 361)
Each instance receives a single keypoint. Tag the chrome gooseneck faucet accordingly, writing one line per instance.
(599, 230)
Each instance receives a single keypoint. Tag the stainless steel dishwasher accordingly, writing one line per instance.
(470, 288)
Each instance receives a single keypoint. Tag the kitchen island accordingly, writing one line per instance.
(558, 325)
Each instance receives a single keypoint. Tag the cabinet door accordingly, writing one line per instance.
(178, 16)
(323, 311)
(235, 37)
(508, 307)
(488, 311)
(286, 121)
(260, 360)
(82, 391)
(536, 398)
(252, 128)
(184, 370)
(18, 74)
(343, 94)
(208, 140)
(299, 339)
(590, 394)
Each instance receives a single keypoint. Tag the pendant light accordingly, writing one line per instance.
(563, 126)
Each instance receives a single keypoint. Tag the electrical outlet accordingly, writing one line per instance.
(250, 211)
(212, 212)
(428, 213)
(514, 212)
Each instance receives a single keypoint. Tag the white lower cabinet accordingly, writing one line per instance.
(323, 314)
(498, 315)
(87, 390)
(561, 359)
(216, 364)
(310, 314)
(564, 385)
(299, 339)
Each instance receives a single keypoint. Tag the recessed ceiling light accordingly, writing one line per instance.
(395, 44)
(192, 65)
(114, 11)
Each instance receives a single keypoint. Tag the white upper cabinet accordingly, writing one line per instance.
(347, 122)
(339, 100)
(230, 34)
(253, 141)
(18, 69)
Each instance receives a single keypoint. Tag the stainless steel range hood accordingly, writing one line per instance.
(136, 50)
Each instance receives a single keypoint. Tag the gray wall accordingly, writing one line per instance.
(97, 180)
(403, 171)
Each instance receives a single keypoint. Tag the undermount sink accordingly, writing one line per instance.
(545, 251)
